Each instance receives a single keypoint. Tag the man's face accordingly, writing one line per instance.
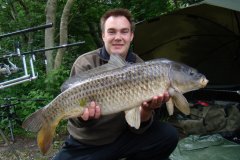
(117, 35)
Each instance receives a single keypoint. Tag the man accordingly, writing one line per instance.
(96, 137)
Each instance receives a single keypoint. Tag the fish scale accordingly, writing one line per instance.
(115, 87)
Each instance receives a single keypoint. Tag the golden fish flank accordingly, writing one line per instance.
(110, 86)
(82, 102)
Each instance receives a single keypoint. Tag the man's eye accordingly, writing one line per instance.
(125, 31)
(111, 32)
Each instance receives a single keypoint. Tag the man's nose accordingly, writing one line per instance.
(118, 36)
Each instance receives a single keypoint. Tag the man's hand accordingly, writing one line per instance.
(147, 107)
(91, 112)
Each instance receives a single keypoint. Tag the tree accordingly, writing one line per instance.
(49, 33)
(63, 33)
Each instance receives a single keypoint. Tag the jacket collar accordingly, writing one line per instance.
(104, 55)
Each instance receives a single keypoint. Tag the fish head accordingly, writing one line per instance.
(185, 78)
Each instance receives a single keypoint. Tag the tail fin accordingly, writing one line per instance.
(45, 136)
(37, 123)
(34, 122)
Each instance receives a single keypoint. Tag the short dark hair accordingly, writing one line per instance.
(117, 12)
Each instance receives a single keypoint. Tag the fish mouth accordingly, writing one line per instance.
(203, 82)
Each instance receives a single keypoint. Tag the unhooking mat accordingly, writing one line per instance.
(211, 147)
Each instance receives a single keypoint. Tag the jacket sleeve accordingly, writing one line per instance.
(83, 63)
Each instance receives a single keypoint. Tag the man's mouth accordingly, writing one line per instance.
(117, 45)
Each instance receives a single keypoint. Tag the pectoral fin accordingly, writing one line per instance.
(133, 117)
(170, 106)
(180, 102)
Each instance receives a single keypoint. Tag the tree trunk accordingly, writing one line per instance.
(63, 33)
(13, 10)
(49, 32)
(94, 31)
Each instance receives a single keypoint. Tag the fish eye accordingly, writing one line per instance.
(191, 73)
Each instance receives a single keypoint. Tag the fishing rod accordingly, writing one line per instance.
(235, 89)
(43, 50)
(224, 91)
(6, 70)
(28, 77)
(27, 30)
(23, 99)
(215, 94)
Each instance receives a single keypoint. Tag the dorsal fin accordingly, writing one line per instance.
(115, 61)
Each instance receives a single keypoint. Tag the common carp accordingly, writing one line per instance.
(116, 86)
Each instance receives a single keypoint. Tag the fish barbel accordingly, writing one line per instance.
(110, 86)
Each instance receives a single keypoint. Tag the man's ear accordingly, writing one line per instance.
(103, 35)
(132, 36)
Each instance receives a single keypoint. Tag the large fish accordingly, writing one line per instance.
(116, 86)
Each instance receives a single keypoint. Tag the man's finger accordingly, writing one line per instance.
(154, 102)
(92, 109)
(160, 100)
(92, 104)
(85, 115)
(166, 97)
(145, 104)
(97, 112)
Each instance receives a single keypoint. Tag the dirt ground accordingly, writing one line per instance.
(26, 149)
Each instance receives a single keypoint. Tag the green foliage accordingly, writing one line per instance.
(21, 106)
(34, 100)
(30, 96)
(145, 9)
(14, 17)
(55, 79)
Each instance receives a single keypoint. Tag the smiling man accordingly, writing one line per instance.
(117, 35)
(96, 137)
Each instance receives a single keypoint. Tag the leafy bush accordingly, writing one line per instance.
(28, 97)
(55, 79)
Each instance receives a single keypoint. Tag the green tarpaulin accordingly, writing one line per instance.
(211, 147)
(205, 36)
